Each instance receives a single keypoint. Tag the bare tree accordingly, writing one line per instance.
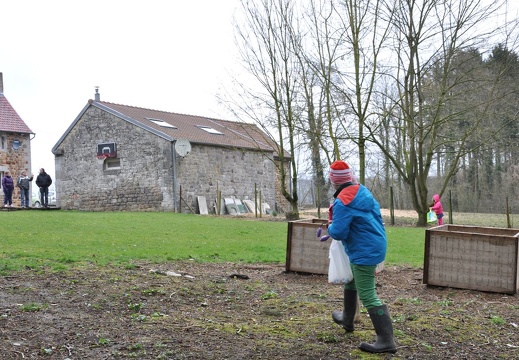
(434, 90)
(269, 93)
(318, 86)
(367, 24)
(318, 56)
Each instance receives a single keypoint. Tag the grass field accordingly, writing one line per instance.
(93, 286)
(62, 239)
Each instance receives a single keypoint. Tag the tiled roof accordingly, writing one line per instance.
(10, 121)
(179, 126)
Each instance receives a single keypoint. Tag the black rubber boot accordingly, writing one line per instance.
(381, 320)
(346, 317)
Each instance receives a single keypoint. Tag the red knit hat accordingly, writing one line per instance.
(340, 173)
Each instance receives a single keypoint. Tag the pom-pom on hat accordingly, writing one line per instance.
(340, 173)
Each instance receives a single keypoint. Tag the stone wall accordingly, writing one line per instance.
(144, 181)
(234, 172)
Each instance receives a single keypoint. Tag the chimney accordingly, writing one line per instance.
(98, 96)
(1, 84)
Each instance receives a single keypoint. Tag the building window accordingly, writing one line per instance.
(2, 142)
(16, 144)
(112, 163)
(161, 123)
(209, 129)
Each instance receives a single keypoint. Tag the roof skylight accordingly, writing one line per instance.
(161, 123)
(209, 129)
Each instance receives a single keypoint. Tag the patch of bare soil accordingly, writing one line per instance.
(239, 311)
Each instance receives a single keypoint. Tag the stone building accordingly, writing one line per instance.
(15, 142)
(117, 157)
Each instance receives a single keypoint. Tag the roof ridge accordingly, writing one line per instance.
(169, 112)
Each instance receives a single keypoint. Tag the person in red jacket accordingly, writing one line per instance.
(437, 208)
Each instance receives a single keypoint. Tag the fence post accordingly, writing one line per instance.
(218, 199)
(508, 222)
(318, 202)
(391, 206)
(450, 207)
(218, 202)
(255, 200)
(261, 205)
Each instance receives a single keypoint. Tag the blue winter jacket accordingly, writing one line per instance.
(357, 222)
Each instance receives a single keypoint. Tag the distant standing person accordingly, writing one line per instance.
(8, 187)
(23, 184)
(437, 208)
(44, 181)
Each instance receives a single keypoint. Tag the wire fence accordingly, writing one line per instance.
(310, 205)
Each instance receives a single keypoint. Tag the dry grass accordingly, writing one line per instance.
(409, 217)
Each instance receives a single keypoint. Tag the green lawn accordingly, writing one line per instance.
(60, 239)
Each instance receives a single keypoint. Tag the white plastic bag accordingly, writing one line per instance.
(339, 271)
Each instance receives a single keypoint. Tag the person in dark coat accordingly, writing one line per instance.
(44, 181)
(8, 187)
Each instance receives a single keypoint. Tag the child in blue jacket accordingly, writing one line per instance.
(357, 223)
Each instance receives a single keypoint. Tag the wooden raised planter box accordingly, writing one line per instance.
(471, 257)
(305, 253)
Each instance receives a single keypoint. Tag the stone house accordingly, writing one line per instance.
(117, 157)
(15, 142)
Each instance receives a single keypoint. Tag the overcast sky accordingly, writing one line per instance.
(170, 55)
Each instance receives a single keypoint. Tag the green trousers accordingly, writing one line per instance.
(364, 282)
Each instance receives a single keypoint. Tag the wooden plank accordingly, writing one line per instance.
(427, 252)
(288, 260)
(468, 229)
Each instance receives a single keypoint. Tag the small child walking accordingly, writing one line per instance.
(437, 208)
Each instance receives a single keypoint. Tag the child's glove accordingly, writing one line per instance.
(320, 229)
(324, 238)
(319, 232)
